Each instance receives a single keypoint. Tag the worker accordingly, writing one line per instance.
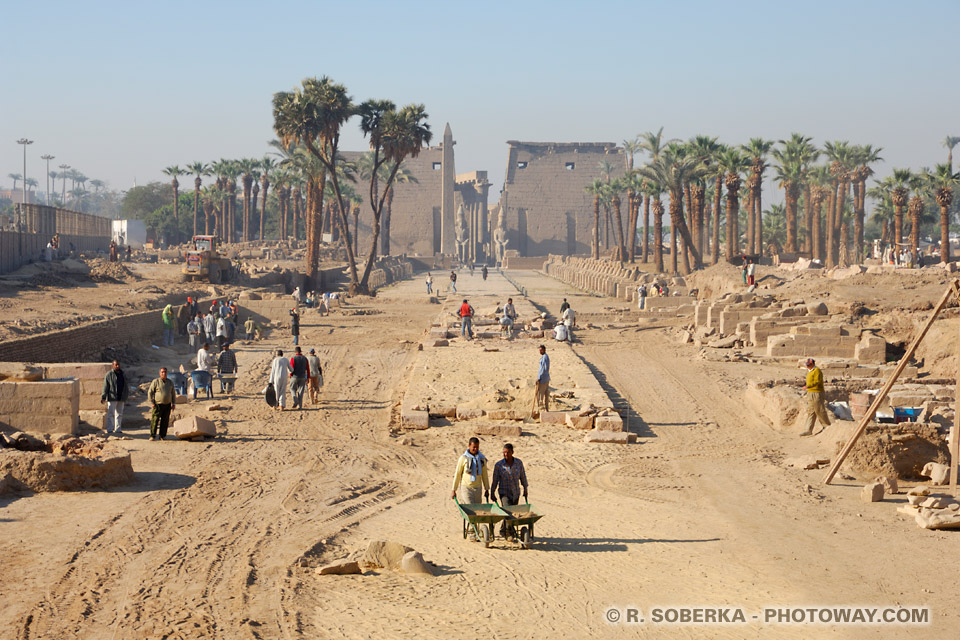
(816, 407)
(193, 331)
(429, 283)
(484, 272)
(569, 317)
(508, 475)
(295, 326)
(279, 372)
(164, 400)
(642, 297)
(466, 320)
(453, 281)
(227, 368)
(169, 322)
(564, 306)
(541, 400)
(476, 489)
(316, 375)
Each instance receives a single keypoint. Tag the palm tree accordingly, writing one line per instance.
(705, 148)
(614, 189)
(775, 224)
(267, 166)
(174, 171)
(950, 142)
(900, 183)
(247, 168)
(757, 150)
(657, 191)
(607, 171)
(30, 184)
(314, 115)
(863, 157)
(916, 208)
(97, 185)
(648, 192)
(673, 169)
(732, 164)
(198, 169)
(942, 183)
(634, 186)
(840, 155)
(231, 172)
(718, 174)
(595, 189)
(15, 177)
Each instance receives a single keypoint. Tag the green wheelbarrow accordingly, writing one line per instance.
(521, 518)
(481, 518)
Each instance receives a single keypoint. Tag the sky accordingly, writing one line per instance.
(120, 90)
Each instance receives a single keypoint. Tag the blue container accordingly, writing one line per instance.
(906, 414)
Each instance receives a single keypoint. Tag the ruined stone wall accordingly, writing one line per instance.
(87, 342)
(548, 211)
(415, 217)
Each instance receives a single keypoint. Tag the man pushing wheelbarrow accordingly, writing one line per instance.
(476, 485)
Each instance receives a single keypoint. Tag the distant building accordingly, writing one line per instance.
(16, 196)
(547, 209)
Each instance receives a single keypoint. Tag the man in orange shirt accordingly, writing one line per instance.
(466, 320)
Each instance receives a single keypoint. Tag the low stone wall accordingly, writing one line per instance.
(50, 406)
(89, 375)
(87, 342)
(829, 340)
(518, 262)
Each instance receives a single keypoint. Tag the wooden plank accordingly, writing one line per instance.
(955, 431)
(950, 292)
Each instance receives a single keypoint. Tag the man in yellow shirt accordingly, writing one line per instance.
(816, 407)
(476, 484)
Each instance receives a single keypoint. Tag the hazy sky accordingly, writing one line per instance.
(120, 90)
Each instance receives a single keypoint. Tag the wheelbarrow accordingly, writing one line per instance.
(481, 518)
(521, 518)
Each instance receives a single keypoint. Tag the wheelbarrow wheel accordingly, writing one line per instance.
(525, 537)
(486, 532)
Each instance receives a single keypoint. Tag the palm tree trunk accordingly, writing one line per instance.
(690, 210)
(606, 227)
(621, 246)
(296, 209)
(196, 202)
(860, 188)
(944, 233)
(679, 226)
(176, 211)
(733, 212)
(387, 215)
(808, 221)
(816, 244)
(265, 188)
(717, 194)
(634, 203)
(844, 253)
(658, 233)
(596, 226)
(356, 229)
(897, 224)
(646, 229)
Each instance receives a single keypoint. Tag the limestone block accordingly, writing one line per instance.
(553, 417)
(339, 568)
(610, 437)
(443, 411)
(793, 312)
(441, 343)
(920, 490)
(381, 554)
(193, 427)
(414, 419)
(608, 423)
(20, 372)
(468, 413)
(939, 474)
(938, 519)
(817, 309)
(579, 422)
(889, 483)
(507, 414)
(500, 430)
(95, 419)
(872, 492)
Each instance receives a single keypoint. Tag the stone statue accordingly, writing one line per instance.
(462, 233)
(500, 240)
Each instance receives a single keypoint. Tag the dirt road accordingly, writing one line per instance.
(219, 539)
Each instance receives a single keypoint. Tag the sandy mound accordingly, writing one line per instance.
(105, 271)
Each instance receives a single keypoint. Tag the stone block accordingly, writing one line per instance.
(441, 343)
(889, 483)
(95, 419)
(872, 492)
(579, 422)
(553, 417)
(817, 309)
(610, 437)
(443, 411)
(414, 419)
(507, 414)
(608, 423)
(193, 427)
(20, 372)
(939, 474)
(339, 568)
(501, 430)
(469, 413)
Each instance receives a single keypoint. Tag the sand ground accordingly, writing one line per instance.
(219, 539)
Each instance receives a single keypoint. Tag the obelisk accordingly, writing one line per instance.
(448, 238)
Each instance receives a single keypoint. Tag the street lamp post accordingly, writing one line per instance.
(23, 194)
(48, 158)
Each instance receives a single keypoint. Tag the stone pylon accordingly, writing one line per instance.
(448, 238)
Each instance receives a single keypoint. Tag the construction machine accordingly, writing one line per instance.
(204, 262)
